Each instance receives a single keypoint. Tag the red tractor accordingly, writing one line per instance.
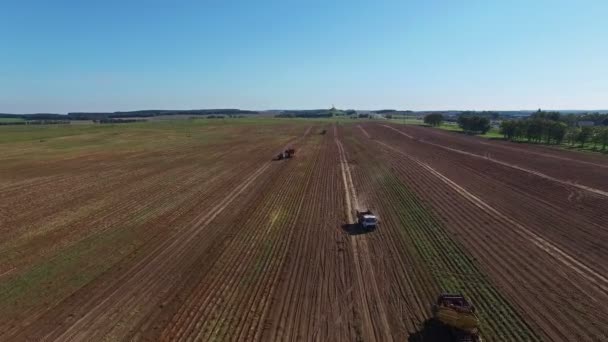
(287, 154)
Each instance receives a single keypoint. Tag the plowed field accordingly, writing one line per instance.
(190, 231)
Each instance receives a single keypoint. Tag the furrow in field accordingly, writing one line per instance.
(135, 221)
(196, 311)
(60, 323)
(142, 277)
(499, 147)
(315, 296)
(97, 195)
(575, 223)
(515, 265)
(136, 200)
(298, 183)
(405, 284)
(428, 247)
(269, 225)
(369, 296)
(510, 165)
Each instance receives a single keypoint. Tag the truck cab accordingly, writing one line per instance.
(367, 219)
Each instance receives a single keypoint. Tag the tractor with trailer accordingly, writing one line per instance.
(367, 220)
(287, 154)
(455, 313)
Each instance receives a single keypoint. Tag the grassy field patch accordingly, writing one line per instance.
(11, 119)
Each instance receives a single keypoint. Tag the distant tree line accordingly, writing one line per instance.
(385, 111)
(36, 122)
(596, 135)
(492, 115)
(313, 113)
(131, 114)
(40, 116)
(534, 130)
(117, 121)
(555, 128)
(434, 120)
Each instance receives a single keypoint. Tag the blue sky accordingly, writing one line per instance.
(60, 56)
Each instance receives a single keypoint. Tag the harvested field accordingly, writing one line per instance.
(188, 230)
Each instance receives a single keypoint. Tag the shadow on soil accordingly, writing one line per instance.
(431, 331)
(355, 229)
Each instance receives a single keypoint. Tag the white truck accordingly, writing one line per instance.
(367, 220)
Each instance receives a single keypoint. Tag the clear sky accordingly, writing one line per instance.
(60, 56)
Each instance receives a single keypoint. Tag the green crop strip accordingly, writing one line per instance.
(453, 269)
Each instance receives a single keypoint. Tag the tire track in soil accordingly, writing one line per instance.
(513, 166)
(369, 295)
(406, 282)
(591, 275)
(307, 132)
(547, 150)
(522, 150)
(503, 322)
(364, 132)
(577, 228)
(315, 299)
(525, 280)
(557, 214)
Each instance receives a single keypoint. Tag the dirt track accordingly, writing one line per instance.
(199, 249)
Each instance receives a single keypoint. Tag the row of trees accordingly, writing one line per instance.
(35, 122)
(434, 120)
(471, 124)
(118, 115)
(542, 129)
(474, 124)
(597, 135)
(534, 130)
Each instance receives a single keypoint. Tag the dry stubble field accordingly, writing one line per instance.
(187, 230)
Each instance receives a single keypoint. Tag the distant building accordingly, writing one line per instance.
(585, 123)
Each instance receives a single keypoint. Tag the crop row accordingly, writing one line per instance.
(450, 266)
(531, 278)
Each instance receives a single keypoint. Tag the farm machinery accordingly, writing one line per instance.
(287, 154)
(458, 315)
(367, 220)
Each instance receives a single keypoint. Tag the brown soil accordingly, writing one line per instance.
(222, 243)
